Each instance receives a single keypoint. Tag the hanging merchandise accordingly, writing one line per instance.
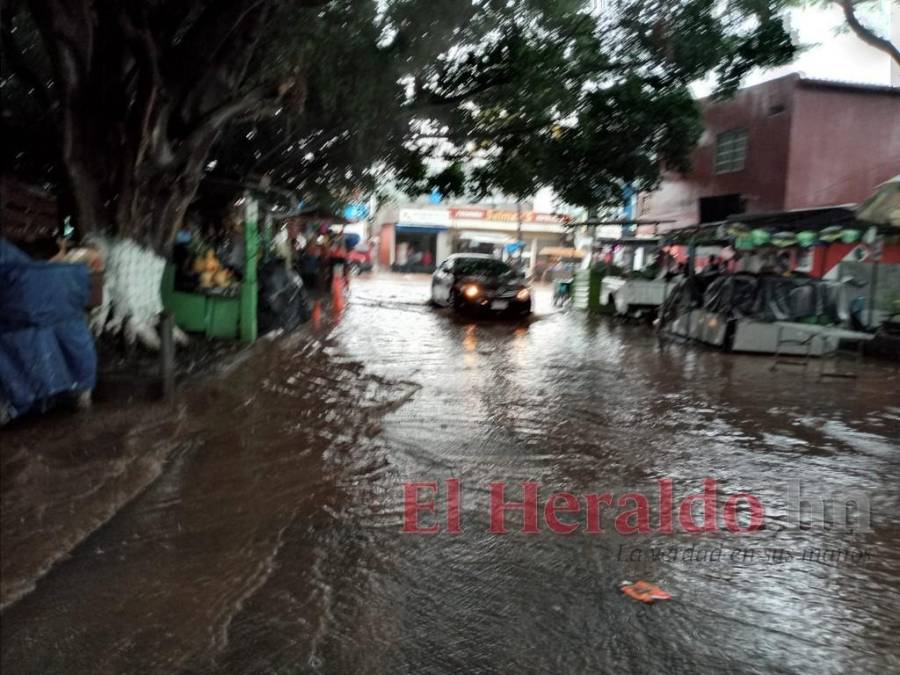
(760, 237)
(806, 238)
(738, 230)
(784, 239)
(850, 235)
(744, 243)
(830, 234)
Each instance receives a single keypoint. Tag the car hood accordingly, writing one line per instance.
(490, 283)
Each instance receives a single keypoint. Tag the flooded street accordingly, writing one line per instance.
(255, 526)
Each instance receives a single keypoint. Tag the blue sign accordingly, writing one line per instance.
(356, 211)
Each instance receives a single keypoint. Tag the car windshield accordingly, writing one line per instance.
(481, 267)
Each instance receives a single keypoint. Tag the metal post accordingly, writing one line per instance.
(249, 285)
(873, 287)
(519, 230)
(167, 355)
(692, 256)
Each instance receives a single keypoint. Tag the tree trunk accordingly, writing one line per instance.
(131, 291)
(139, 112)
(134, 207)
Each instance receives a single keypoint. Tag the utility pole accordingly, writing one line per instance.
(519, 230)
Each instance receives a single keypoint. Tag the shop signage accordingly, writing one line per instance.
(424, 217)
(497, 215)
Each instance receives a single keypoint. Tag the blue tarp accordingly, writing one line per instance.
(46, 347)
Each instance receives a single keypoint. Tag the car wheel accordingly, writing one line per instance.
(455, 301)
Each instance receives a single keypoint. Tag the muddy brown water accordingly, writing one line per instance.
(255, 525)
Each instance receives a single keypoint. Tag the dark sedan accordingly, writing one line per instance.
(477, 282)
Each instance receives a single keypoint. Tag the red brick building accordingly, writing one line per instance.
(789, 143)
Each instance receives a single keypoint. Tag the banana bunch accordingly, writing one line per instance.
(212, 273)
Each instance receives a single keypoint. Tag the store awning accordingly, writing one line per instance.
(420, 229)
(883, 207)
(486, 237)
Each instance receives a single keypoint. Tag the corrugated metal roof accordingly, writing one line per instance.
(820, 83)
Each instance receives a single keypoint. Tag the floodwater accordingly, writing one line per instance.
(255, 526)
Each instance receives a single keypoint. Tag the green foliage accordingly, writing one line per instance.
(584, 103)
(478, 95)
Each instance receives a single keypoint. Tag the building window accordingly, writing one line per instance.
(731, 151)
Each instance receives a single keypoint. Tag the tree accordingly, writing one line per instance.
(146, 96)
(858, 25)
(546, 93)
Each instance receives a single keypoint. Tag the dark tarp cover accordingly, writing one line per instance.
(762, 297)
(773, 298)
(282, 299)
(46, 347)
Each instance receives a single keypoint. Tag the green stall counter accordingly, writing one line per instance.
(221, 315)
(215, 316)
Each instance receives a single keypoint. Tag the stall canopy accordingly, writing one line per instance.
(315, 215)
(781, 228)
(799, 219)
(883, 207)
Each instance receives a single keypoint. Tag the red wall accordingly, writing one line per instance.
(825, 258)
(762, 179)
(832, 144)
(844, 143)
(385, 245)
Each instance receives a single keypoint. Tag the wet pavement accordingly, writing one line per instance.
(255, 526)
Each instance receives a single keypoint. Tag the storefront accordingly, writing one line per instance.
(496, 231)
(417, 242)
(421, 238)
(416, 248)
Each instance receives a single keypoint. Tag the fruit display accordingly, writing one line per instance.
(211, 271)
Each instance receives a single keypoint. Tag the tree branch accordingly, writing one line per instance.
(214, 120)
(866, 34)
(15, 57)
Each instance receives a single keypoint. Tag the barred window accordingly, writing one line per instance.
(731, 150)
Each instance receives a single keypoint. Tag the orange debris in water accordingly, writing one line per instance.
(644, 591)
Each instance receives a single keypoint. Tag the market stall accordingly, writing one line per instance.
(634, 283)
(224, 260)
(621, 273)
(794, 283)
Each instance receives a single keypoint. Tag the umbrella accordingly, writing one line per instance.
(883, 206)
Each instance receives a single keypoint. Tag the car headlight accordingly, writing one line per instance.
(472, 291)
(523, 294)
